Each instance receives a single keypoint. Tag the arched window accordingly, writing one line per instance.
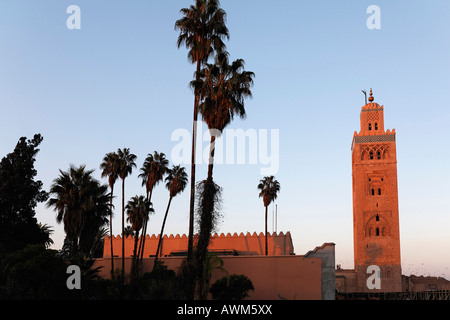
(376, 126)
(364, 155)
(378, 155)
(371, 155)
(379, 191)
(388, 273)
(370, 127)
(377, 218)
(373, 192)
(377, 231)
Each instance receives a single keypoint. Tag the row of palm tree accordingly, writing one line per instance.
(138, 210)
(155, 167)
(115, 166)
(81, 201)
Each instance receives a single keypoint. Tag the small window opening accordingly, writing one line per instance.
(379, 192)
(373, 192)
(377, 231)
(370, 126)
(378, 155)
(377, 218)
(371, 155)
(376, 126)
(388, 273)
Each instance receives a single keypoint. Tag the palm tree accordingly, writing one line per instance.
(176, 182)
(95, 220)
(126, 163)
(128, 232)
(46, 231)
(137, 209)
(202, 30)
(152, 172)
(99, 243)
(212, 262)
(269, 187)
(110, 169)
(81, 203)
(222, 88)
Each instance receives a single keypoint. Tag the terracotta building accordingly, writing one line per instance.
(376, 232)
(280, 275)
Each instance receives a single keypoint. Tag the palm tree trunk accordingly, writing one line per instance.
(162, 233)
(266, 233)
(141, 239)
(111, 233)
(206, 219)
(123, 229)
(194, 150)
(135, 256)
(144, 233)
(212, 148)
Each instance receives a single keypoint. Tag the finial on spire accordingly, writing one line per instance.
(371, 98)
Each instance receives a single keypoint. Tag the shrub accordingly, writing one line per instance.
(233, 287)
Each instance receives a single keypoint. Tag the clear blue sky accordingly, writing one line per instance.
(120, 81)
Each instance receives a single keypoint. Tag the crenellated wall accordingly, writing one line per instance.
(239, 244)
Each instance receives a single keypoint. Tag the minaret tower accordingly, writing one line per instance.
(376, 232)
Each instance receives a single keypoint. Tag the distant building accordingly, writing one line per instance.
(414, 283)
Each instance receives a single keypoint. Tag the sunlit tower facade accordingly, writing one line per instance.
(376, 232)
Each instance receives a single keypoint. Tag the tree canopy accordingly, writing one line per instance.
(20, 193)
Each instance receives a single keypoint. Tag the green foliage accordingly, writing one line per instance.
(269, 188)
(176, 180)
(202, 30)
(19, 196)
(209, 205)
(82, 204)
(159, 284)
(233, 287)
(33, 273)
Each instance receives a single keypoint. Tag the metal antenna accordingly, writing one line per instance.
(365, 95)
(276, 218)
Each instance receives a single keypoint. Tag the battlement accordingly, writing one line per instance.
(361, 134)
(242, 244)
(372, 106)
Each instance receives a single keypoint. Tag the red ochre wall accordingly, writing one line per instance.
(289, 277)
(280, 275)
